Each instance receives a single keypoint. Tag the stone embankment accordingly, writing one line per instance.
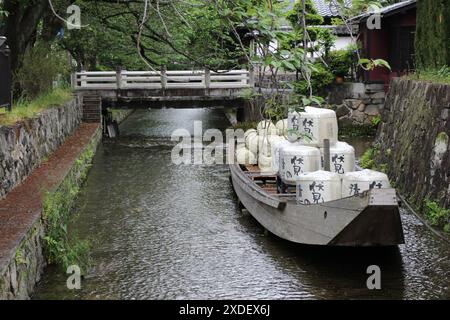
(413, 140)
(37, 156)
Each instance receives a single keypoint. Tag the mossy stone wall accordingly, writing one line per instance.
(413, 140)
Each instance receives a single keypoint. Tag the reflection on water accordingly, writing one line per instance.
(162, 231)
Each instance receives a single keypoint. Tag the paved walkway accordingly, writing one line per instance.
(22, 207)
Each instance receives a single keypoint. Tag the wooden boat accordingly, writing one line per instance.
(370, 219)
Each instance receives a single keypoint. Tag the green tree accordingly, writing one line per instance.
(433, 34)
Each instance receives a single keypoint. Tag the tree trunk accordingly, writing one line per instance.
(21, 25)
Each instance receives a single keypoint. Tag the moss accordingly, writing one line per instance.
(442, 137)
(19, 257)
(354, 131)
(61, 249)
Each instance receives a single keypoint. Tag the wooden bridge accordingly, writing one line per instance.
(124, 86)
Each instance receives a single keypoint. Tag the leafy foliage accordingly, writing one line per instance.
(367, 159)
(340, 62)
(25, 108)
(370, 64)
(441, 75)
(321, 77)
(433, 34)
(41, 66)
(437, 215)
(61, 248)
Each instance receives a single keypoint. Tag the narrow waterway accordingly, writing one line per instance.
(165, 231)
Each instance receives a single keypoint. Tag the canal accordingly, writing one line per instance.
(165, 231)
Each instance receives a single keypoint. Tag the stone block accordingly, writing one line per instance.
(377, 101)
(372, 110)
(357, 88)
(352, 103)
(378, 95)
(342, 110)
(358, 116)
(374, 87)
(444, 114)
(345, 121)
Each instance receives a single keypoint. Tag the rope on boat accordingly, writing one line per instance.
(424, 222)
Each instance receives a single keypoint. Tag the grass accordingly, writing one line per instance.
(61, 248)
(441, 75)
(24, 109)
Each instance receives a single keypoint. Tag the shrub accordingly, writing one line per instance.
(432, 33)
(437, 215)
(439, 75)
(320, 79)
(340, 62)
(367, 161)
(41, 66)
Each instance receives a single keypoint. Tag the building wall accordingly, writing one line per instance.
(376, 44)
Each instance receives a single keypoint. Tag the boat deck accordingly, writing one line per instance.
(268, 183)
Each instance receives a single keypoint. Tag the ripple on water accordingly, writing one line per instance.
(161, 231)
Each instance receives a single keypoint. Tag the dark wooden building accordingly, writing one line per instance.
(393, 41)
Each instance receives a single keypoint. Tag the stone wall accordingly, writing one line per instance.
(356, 103)
(121, 115)
(21, 272)
(18, 279)
(413, 140)
(24, 145)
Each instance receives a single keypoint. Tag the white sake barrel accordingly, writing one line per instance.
(265, 164)
(342, 158)
(266, 127)
(355, 183)
(240, 146)
(251, 142)
(246, 157)
(318, 187)
(249, 132)
(282, 127)
(318, 124)
(293, 126)
(264, 145)
(295, 160)
(276, 146)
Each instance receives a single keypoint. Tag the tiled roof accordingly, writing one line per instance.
(325, 8)
(387, 10)
(329, 9)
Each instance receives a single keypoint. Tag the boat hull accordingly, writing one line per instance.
(372, 219)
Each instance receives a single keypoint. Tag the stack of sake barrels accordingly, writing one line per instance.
(259, 145)
(293, 148)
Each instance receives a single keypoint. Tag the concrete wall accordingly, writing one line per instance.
(413, 140)
(24, 145)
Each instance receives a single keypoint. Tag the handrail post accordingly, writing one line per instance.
(83, 77)
(73, 80)
(207, 78)
(119, 77)
(251, 76)
(163, 77)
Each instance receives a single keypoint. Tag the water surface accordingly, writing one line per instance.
(165, 231)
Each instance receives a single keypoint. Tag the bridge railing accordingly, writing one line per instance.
(190, 79)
